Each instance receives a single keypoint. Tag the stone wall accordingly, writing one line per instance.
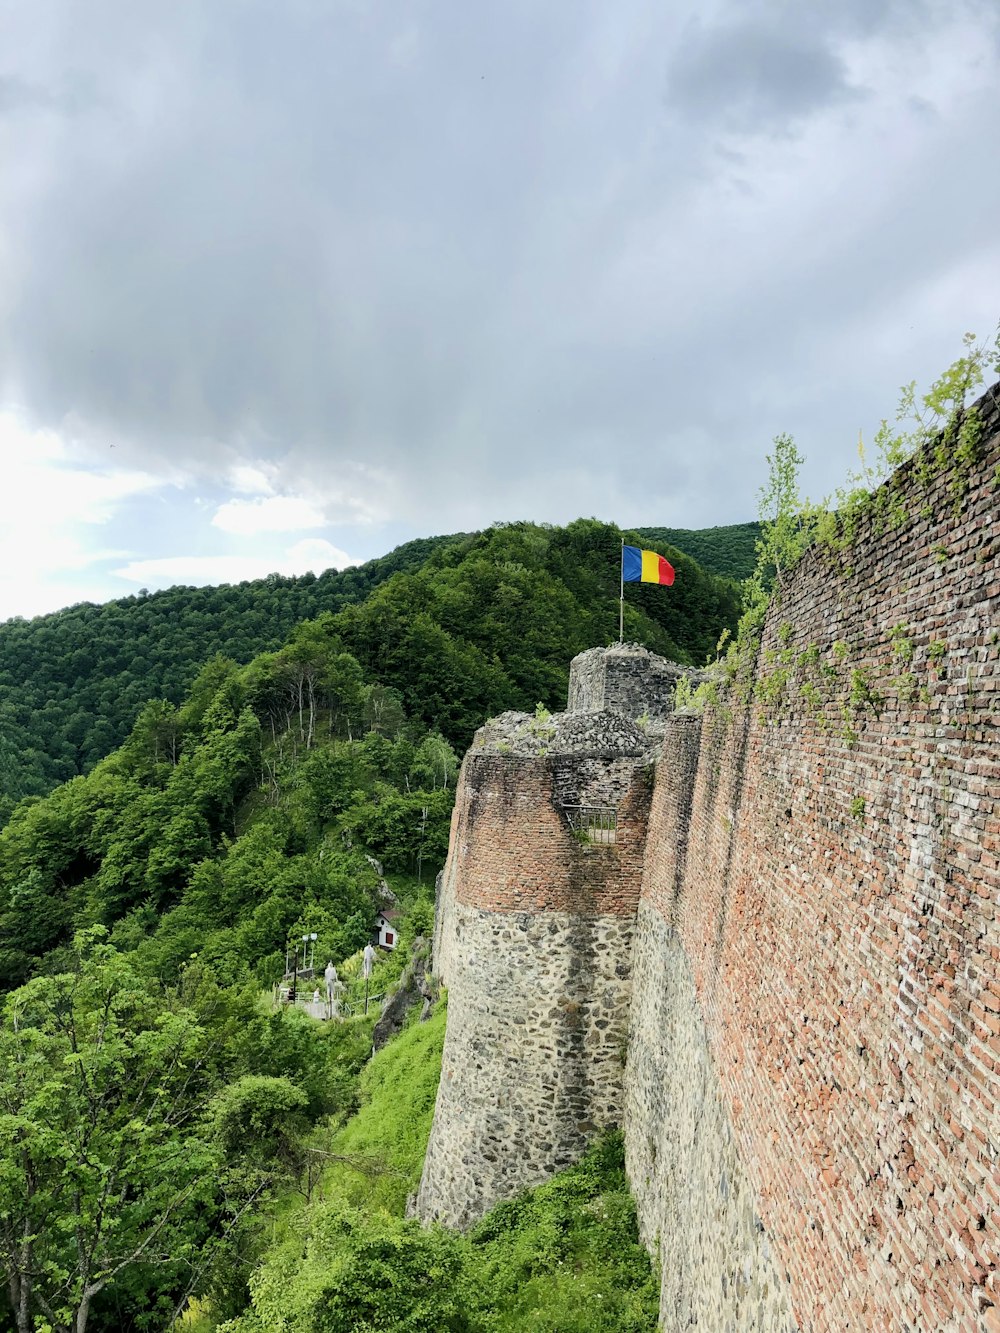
(697, 1208)
(533, 938)
(836, 898)
(626, 678)
(533, 1056)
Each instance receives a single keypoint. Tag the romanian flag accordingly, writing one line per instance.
(645, 567)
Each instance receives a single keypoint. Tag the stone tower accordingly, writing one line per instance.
(535, 922)
(625, 678)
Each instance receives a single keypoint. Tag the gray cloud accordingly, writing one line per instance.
(458, 263)
(72, 95)
(16, 95)
(761, 66)
(750, 78)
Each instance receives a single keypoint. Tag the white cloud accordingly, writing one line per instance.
(49, 505)
(253, 478)
(276, 513)
(313, 554)
(317, 554)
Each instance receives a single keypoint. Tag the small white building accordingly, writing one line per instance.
(385, 926)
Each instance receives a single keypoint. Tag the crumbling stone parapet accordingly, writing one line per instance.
(626, 679)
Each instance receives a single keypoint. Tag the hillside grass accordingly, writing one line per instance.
(384, 1143)
(562, 1258)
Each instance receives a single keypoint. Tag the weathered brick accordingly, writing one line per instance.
(803, 925)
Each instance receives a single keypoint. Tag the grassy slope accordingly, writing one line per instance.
(388, 1135)
(563, 1258)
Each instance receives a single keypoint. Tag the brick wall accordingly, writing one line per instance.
(512, 847)
(836, 896)
(533, 937)
(697, 1207)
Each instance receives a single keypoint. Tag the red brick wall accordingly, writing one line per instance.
(512, 849)
(534, 940)
(838, 902)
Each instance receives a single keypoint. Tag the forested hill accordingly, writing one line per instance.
(491, 622)
(729, 551)
(72, 683)
(488, 622)
(164, 1118)
(461, 626)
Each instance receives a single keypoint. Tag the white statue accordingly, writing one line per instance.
(367, 960)
(330, 976)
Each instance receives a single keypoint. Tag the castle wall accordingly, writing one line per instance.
(511, 848)
(533, 1057)
(698, 1210)
(534, 940)
(806, 961)
(835, 893)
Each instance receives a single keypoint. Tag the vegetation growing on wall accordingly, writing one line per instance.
(937, 432)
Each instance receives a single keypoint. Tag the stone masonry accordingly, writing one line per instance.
(626, 678)
(795, 937)
(534, 1054)
(697, 1209)
(534, 941)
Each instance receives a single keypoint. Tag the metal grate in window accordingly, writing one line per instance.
(596, 823)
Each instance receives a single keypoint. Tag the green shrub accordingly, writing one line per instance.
(365, 1272)
(566, 1256)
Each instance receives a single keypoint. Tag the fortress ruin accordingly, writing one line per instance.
(765, 940)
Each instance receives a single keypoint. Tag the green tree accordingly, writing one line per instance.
(261, 1121)
(102, 1169)
(435, 763)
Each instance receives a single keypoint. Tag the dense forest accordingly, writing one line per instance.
(179, 1148)
(72, 684)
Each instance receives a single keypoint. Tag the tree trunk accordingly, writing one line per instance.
(20, 1300)
(82, 1313)
(22, 1309)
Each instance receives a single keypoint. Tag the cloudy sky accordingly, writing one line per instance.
(282, 285)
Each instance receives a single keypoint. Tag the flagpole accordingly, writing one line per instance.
(621, 602)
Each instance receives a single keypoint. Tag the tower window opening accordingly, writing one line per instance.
(596, 823)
